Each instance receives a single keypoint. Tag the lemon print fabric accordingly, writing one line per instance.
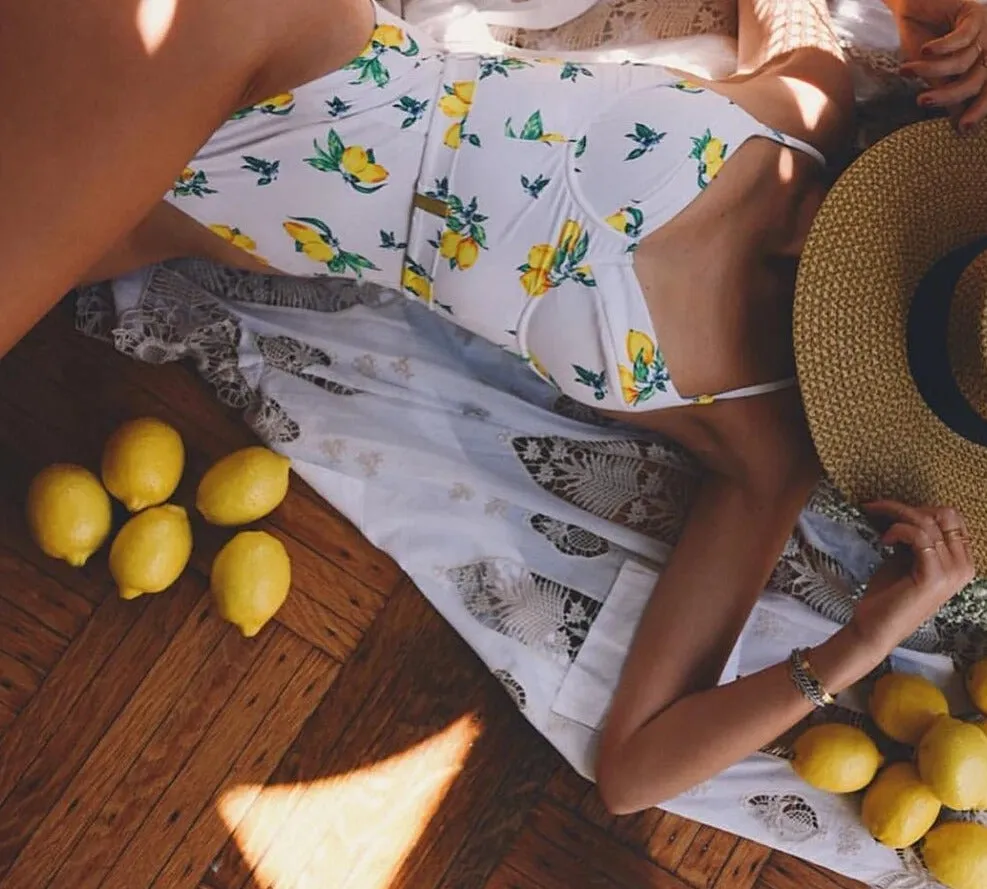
(68, 513)
(455, 104)
(464, 236)
(645, 139)
(710, 154)
(143, 462)
(280, 105)
(250, 580)
(151, 551)
(192, 183)
(357, 165)
(243, 486)
(646, 374)
(316, 240)
(371, 65)
(416, 280)
(238, 238)
(627, 220)
(532, 130)
(549, 265)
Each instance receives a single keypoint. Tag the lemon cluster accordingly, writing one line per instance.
(903, 800)
(70, 517)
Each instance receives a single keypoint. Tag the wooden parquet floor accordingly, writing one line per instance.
(357, 743)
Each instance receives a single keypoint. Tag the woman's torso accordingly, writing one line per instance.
(556, 207)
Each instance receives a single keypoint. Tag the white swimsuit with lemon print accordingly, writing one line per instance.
(508, 194)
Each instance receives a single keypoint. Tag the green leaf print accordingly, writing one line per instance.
(389, 242)
(502, 65)
(532, 128)
(597, 381)
(579, 252)
(192, 183)
(534, 187)
(336, 106)
(267, 171)
(580, 148)
(646, 139)
(316, 240)
(412, 108)
(570, 71)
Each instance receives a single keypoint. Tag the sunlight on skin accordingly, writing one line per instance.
(811, 101)
(353, 830)
(786, 166)
(154, 21)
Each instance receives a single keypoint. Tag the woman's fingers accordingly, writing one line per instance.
(974, 114)
(961, 89)
(965, 33)
(901, 513)
(951, 65)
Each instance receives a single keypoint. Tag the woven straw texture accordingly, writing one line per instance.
(913, 197)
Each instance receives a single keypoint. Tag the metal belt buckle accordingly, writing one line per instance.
(435, 206)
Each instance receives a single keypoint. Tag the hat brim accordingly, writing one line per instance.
(915, 196)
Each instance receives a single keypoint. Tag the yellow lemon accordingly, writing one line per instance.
(355, 159)
(151, 551)
(713, 157)
(535, 282)
(616, 221)
(904, 706)
(454, 136)
(569, 235)
(467, 253)
(143, 462)
(449, 243)
(68, 513)
(898, 809)
(250, 579)
(837, 758)
(319, 252)
(976, 684)
(541, 256)
(388, 35)
(952, 760)
(640, 345)
(243, 487)
(956, 854)
(418, 285)
(372, 173)
(302, 233)
(628, 385)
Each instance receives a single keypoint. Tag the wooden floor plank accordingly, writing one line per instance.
(121, 745)
(60, 610)
(785, 872)
(96, 707)
(208, 683)
(362, 682)
(74, 673)
(388, 744)
(567, 787)
(671, 840)
(18, 683)
(28, 640)
(253, 767)
(493, 826)
(505, 877)
(744, 866)
(558, 848)
(196, 784)
(706, 856)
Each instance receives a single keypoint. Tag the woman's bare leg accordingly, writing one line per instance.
(106, 100)
(770, 29)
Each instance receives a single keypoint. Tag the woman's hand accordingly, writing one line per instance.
(943, 42)
(932, 565)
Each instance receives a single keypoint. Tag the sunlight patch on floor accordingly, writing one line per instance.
(353, 830)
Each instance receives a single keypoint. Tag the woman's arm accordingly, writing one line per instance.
(670, 727)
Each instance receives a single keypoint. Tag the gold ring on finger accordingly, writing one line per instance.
(950, 533)
(926, 549)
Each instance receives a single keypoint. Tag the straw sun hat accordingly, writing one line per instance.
(891, 325)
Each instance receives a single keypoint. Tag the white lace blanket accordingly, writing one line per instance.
(514, 510)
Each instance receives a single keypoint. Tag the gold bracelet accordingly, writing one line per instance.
(805, 679)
